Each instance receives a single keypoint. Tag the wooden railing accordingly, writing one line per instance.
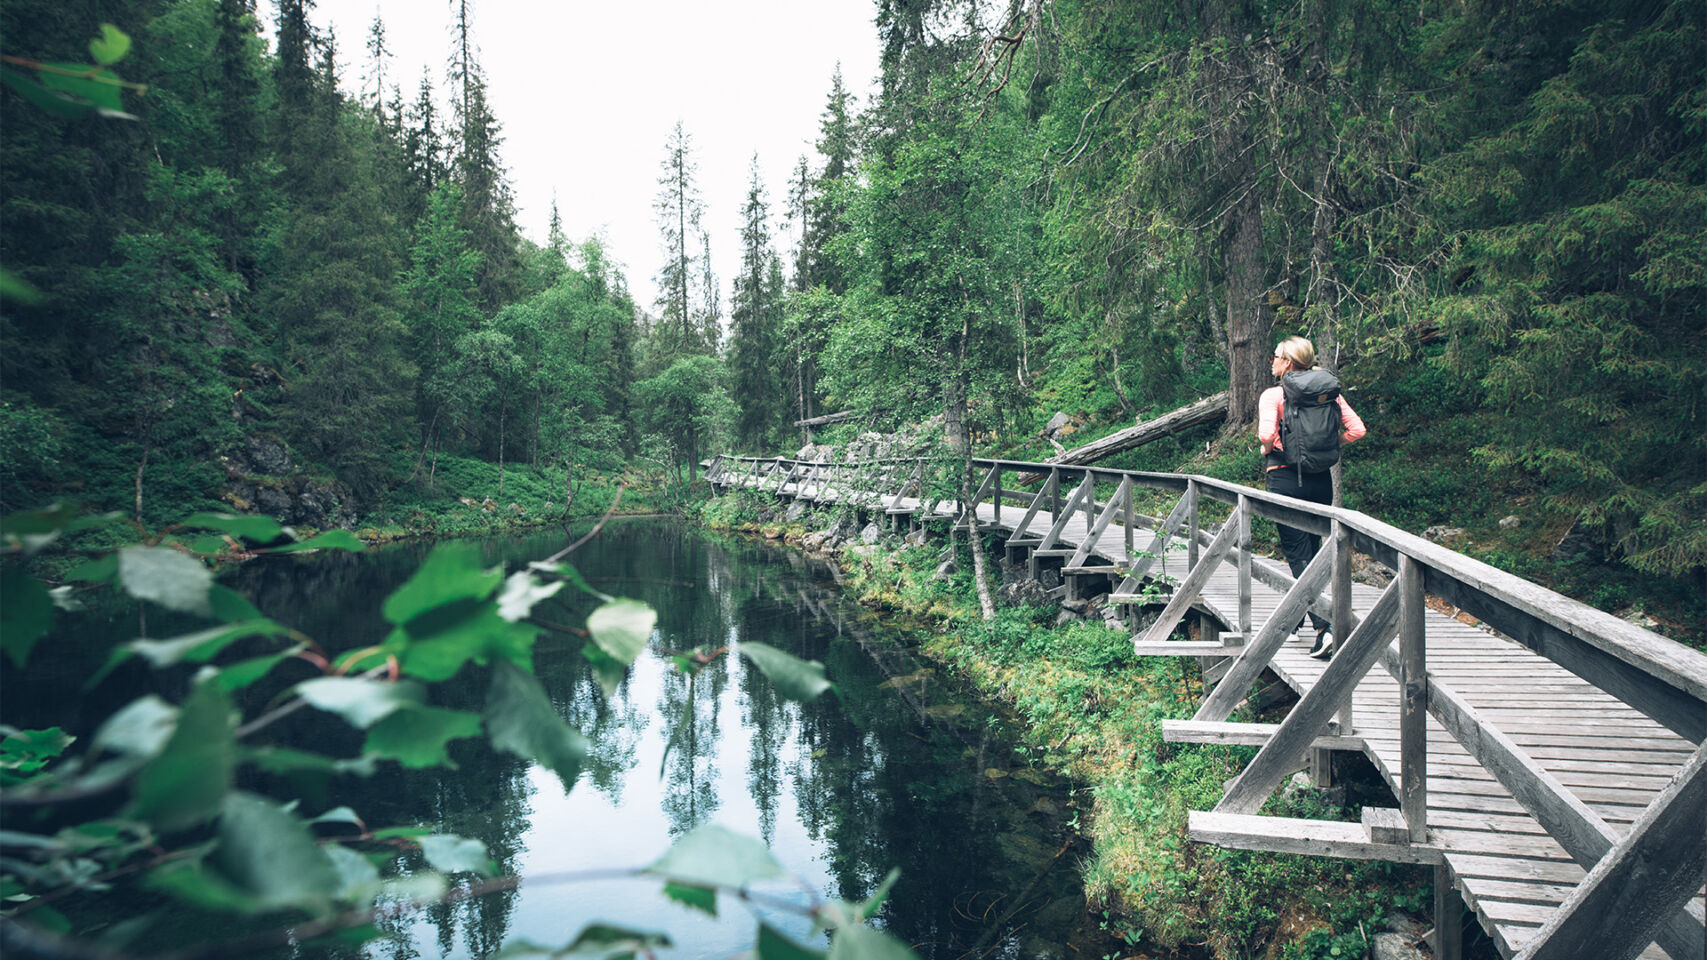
(1647, 878)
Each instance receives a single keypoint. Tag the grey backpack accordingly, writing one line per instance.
(1310, 425)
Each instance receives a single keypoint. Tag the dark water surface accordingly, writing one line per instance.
(899, 771)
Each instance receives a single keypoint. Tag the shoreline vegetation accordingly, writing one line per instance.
(1091, 711)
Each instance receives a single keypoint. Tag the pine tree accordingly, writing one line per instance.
(678, 209)
(755, 348)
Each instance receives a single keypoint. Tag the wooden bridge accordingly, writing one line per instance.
(1551, 772)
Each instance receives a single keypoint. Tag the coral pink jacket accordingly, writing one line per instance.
(1271, 406)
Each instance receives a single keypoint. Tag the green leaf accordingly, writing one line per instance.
(186, 783)
(241, 674)
(269, 853)
(861, 942)
(174, 580)
(287, 762)
(689, 895)
(26, 611)
(606, 668)
(521, 591)
(98, 86)
(712, 856)
(203, 645)
(416, 736)
(436, 645)
(55, 102)
(341, 815)
(230, 606)
(795, 678)
(330, 540)
(870, 905)
(24, 752)
(603, 938)
(31, 530)
(104, 569)
(520, 719)
(772, 945)
(362, 703)
(394, 833)
(570, 574)
(622, 627)
(451, 573)
(240, 526)
(110, 47)
(454, 854)
(140, 728)
(358, 878)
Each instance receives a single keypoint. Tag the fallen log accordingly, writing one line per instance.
(827, 418)
(1208, 410)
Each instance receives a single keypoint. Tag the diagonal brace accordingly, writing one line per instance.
(1261, 649)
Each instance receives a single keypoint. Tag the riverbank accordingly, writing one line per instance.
(1091, 710)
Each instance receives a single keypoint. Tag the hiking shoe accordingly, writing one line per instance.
(1324, 647)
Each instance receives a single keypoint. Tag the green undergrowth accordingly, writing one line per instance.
(1092, 710)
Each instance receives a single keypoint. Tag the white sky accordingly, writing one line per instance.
(587, 94)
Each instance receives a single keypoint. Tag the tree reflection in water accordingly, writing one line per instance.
(892, 772)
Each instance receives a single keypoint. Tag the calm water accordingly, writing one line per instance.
(899, 771)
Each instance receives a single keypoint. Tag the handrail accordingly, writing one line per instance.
(1619, 656)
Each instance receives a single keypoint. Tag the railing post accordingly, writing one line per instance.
(1054, 494)
(1342, 607)
(1191, 526)
(1244, 548)
(1413, 698)
(998, 494)
(1130, 487)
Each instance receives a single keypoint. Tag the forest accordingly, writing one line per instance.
(238, 296)
(266, 294)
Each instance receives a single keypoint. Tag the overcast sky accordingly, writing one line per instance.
(587, 94)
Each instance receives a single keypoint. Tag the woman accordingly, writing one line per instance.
(1292, 355)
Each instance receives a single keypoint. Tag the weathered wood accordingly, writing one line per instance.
(1448, 941)
(1385, 825)
(1185, 648)
(1310, 717)
(1258, 653)
(1413, 697)
(1188, 589)
(1243, 518)
(1639, 888)
(1158, 544)
(1580, 831)
(827, 419)
(1319, 838)
(1244, 734)
(1208, 410)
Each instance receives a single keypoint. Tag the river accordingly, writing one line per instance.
(896, 770)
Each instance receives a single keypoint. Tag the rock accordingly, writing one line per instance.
(1511, 522)
(1023, 591)
(1441, 534)
(1299, 783)
(1579, 543)
(1049, 578)
(796, 510)
(947, 569)
(859, 550)
(1373, 572)
(275, 502)
(1638, 617)
(870, 534)
(916, 537)
(1076, 606)
(267, 456)
(1114, 616)
(1056, 422)
(1065, 617)
(1396, 946)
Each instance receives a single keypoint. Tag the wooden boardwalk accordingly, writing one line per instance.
(1520, 778)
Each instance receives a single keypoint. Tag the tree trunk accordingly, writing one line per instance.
(140, 467)
(1249, 322)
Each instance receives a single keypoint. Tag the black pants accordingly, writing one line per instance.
(1300, 547)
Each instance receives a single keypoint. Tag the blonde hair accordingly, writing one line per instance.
(1298, 351)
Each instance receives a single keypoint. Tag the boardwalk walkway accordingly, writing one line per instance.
(1514, 775)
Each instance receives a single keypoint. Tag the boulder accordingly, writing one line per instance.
(870, 533)
(795, 511)
(1024, 591)
(945, 570)
(1441, 533)
(1511, 522)
(267, 456)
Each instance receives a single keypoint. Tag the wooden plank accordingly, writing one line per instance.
(1275, 630)
(1309, 718)
(1317, 838)
(1579, 830)
(1635, 894)
(1243, 734)
(1185, 648)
